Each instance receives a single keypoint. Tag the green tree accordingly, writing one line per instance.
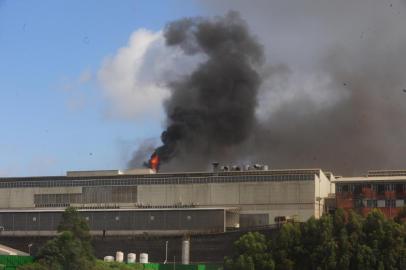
(73, 222)
(251, 253)
(70, 250)
(286, 249)
(65, 252)
(32, 266)
(401, 216)
(343, 241)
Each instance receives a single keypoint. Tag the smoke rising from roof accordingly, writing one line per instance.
(330, 94)
(338, 102)
(213, 108)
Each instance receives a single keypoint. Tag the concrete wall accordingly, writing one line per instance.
(285, 198)
(112, 222)
(288, 192)
(24, 197)
(274, 198)
(323, 187)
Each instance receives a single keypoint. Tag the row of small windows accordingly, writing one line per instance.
(158, 181)
(123, 220)
(379, 188)
(116, 218)
(110, 194)
(379, 203)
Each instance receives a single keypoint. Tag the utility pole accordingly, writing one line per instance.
(29, 249)
(166, 252)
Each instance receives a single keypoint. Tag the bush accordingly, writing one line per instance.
(101, 265)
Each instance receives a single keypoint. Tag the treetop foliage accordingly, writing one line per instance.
(340, 241)
(70, 250)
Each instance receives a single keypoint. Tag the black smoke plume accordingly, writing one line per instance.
(350, 118)
(212, 109)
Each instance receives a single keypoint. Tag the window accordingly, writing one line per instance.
(357, 189)
(400, 203)
(389, 187)
(399, 188)
(390, 203)
(358, 203)
(371, 203)
(380, 189)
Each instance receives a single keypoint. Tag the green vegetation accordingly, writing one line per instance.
(70, 250)
(11, 262)
(333, 242)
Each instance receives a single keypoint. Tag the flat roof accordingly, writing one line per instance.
(46, 210)
(167, 175)
(370, 179)
(386, 173)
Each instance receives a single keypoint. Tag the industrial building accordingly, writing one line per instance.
(384, 190)
(108, 222)
(141, 201)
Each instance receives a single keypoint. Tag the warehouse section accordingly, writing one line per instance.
(123, 201)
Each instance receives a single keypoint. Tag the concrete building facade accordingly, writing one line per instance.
(258, 195)
(115, 222)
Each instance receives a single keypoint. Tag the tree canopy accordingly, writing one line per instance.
(70, 250)
(336, 241)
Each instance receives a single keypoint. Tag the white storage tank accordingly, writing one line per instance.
(119, 256)
(144, 258)
(108, 259)
(185, 251)
(131, 258)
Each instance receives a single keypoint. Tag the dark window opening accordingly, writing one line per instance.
(372, 203)
(357, 189)
(390, 203)
(399, 188)
(358, 204)
(380, 189)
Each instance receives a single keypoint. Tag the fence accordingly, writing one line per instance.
(156, 266)
(10, 262)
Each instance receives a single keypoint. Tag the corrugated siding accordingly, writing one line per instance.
(119, 220)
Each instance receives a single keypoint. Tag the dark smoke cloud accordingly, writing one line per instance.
(330, 96)
(140, 156)
(355, 120)
(365, 129)
(212, 109)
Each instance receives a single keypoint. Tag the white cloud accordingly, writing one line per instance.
(75, 84)
(76, 90)
(85, 76)
(134, 80)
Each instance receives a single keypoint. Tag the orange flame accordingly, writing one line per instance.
(154, 162)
